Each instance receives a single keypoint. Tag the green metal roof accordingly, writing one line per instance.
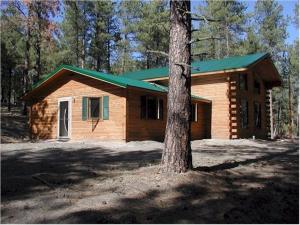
(113, 79)
(229, 63)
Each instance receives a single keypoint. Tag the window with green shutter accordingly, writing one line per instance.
(84, 108)
(95, 108)
(105, 107)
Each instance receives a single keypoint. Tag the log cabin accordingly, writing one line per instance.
(230, 99)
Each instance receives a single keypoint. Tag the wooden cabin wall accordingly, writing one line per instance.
(142, 129)
(215, 88)
(252, 97)
(43, 115)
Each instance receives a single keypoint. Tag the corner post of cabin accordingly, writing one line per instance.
(271, 113)
(232, 95)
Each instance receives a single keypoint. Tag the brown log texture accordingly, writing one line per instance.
(177, 155)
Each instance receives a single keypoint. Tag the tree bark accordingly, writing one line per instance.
(9, 89)
(177, 155)
(38, 42)
(290, 107)
(27, 60)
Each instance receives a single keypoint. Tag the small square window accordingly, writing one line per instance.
(94, 108)
(151, 108)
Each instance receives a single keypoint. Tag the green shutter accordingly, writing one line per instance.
(84, 108)
(105, 107)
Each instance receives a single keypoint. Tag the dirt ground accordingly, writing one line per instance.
(14, 127)
(238, 181)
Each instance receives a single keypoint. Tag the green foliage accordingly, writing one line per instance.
(230, 28)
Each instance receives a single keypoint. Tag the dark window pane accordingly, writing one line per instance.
(143, 107)
(243, 82)
(244, 114)
(256, 87)
(94, 107)
(152, 108)
(161, 109)
(257, 115)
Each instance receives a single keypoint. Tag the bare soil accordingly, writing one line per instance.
(14, 127)
(238, 181)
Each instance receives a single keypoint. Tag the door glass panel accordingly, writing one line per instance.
(63, 119)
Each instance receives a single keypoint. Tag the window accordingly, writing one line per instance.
(256, 87)
(244, 113)
(151, 108)
(194, 112)
(94, 108)
(257, 115)
(243, 82)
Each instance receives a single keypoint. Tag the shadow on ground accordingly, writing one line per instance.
(26, 172)
(264, 189)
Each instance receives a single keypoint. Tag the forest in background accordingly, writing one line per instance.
(118, 36)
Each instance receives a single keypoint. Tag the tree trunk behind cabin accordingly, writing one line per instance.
(108, 68)
(177, 155)
(9, 90)
(38, 43)
(290, 107)
(27, 62)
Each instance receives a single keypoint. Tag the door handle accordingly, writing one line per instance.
(65, 119)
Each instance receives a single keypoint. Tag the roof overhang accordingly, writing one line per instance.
(264, 67)
(58, 73)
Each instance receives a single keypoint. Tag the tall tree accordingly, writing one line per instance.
(177, 156)
(128, 17)
(40, 14)
(152, 32)
(230, 28)
(104, 32)
(272, 32)
(75, 27)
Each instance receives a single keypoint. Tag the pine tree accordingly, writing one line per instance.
(272, 33)
(152, 32)
(177, 155)
(104, 31)
(127, 13)
(75, 28)
(230, 28)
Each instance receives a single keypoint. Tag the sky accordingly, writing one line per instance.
(288, 10)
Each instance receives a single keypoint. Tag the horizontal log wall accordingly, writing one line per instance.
(215, 88)
(142, 129)
(252, 97)
(45, 107)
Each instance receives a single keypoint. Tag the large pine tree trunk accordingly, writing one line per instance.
(177, 155)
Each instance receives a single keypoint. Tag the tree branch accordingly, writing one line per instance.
(203, 39)
(158, 52)
(176, 63)
(198, 17)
